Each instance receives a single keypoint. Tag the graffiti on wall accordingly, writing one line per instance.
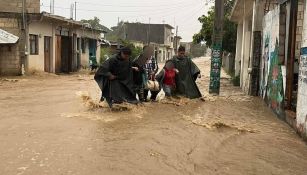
(275, 83)
(271, 87)
(264, 66)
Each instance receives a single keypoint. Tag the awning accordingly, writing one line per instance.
(240, 9)
(7, 38)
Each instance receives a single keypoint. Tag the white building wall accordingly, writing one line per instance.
(42, 29)
(238, 49)
(302, 84)
(245, 54)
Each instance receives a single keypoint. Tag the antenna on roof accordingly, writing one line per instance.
(52, 7)
(72, 7)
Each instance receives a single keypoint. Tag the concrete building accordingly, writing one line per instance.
(58, 45)
(194, 50)
(268, 57)
(13, 19)
(159, 35)
(46, 42)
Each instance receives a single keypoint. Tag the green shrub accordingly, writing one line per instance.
(104, 53)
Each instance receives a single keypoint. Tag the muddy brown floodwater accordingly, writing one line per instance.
(53, 125)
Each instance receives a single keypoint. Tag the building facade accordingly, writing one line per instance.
(60, 45)
(270, 43)
(158, 35)
(13, 19)
(46, 42)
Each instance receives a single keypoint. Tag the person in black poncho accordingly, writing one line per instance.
(188, 73)
(115, 78)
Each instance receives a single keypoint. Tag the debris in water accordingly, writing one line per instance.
(122, 107)
(10, 80)
(175, 101)
(89, 102)
(211, 123)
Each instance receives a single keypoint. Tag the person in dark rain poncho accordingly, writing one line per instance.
(115, 79)
(188, 73)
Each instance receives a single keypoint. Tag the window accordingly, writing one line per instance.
(33, 44)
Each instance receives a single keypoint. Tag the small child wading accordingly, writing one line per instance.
(166, 77)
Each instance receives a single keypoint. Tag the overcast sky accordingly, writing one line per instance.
(183, 13)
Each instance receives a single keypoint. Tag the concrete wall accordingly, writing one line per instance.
(168, 36)
(81, 33)
(238, 49)
(299, 29)
(302, 84)
(245, 53)
(32, 6)
(47, 28)
(272, 70)
(10, 57)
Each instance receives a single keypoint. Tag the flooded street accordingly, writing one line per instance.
(47, 128)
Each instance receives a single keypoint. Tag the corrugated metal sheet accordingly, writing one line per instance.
(7, 38)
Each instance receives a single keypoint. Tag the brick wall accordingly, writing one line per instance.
(10, 54)
(299, 29)
(32, 6)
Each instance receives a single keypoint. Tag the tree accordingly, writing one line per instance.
(95, 24)
(230, 28)
(117, 32)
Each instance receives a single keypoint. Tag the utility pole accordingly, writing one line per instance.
(52, 7)
(75, 10)
(176, 40)
(149, 32)
(216, 58)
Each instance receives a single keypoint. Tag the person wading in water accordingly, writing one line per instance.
(188, 72)
(115, 78)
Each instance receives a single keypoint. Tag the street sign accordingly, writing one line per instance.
(216, 59)
(7, 38)
(215, 74)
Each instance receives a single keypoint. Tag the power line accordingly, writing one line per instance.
(117, 11)
(142, 6)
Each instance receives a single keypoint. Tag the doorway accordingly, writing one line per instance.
(47, 54)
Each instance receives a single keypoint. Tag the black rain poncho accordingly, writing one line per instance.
(185, 79)
(122, 88)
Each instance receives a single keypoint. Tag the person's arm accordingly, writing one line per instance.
(156, 65)
(194, 71)
(105, 69)
(160, 75)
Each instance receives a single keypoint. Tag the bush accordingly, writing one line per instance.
(104, 54)
(135, 51)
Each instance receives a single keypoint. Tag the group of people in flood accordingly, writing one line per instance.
(123, 80)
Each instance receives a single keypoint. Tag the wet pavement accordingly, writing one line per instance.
(47, 128)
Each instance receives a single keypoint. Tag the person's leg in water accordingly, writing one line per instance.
(145, 95)
(154, 95)
(140, 93)
(167, 90)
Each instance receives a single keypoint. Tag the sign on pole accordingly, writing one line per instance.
(216, 58)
